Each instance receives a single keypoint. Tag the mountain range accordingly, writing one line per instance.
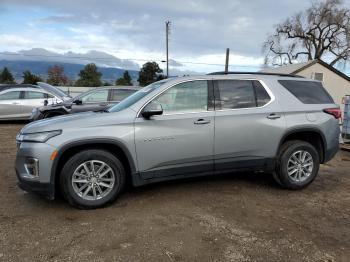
(109, 74)
(38, 60)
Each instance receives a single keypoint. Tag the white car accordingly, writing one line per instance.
(18, 102)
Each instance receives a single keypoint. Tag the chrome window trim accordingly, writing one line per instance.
(267, 89)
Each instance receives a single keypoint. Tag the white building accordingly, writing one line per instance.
(336, 82)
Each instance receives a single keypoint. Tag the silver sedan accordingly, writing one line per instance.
(17, 103)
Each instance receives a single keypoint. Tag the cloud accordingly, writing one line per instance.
(201, 30)
(174, 63)
(99, 58)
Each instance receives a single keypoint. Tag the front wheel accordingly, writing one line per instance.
(297, 164)
(92, 178)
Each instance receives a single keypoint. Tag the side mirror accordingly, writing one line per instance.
(78, 102)
(152, 109)
(46, 102)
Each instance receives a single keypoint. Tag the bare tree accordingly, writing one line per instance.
(322, 31)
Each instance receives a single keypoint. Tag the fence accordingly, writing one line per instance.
(77, 90)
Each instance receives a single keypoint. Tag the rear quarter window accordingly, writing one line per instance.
(308, 92)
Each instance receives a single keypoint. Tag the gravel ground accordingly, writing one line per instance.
(237, 217)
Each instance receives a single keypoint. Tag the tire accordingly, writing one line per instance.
(290, 158)
(77, 168)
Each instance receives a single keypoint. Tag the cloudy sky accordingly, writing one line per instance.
(134, 29)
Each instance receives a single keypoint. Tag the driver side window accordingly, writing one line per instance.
(190, 96)
(96, 97)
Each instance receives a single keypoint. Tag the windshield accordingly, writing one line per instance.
(53, 90)
(130, 100)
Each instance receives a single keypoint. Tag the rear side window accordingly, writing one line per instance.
(235, 94)
(262, 97)
(308, 92)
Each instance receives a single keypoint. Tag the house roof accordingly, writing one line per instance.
(296, 68)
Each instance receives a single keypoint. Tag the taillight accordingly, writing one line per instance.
(336, 112)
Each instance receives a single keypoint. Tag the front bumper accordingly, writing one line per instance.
(41, 184)
(44, 189)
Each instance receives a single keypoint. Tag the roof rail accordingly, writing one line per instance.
(253, 73)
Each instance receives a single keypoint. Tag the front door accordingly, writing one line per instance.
(248, 125)
(96, 100)
(179, 142)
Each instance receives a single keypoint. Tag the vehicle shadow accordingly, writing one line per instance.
(14, 122)
(247, 179)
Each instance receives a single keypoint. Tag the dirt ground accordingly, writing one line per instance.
(236, 217)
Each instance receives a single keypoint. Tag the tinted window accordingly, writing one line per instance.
(308, 92)
(34, 95)
(235, 94)
(185, 97)
(262, 97)
(10, 95)
(95, 97)
(120, 94)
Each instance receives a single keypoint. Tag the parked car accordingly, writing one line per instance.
(183, 127)
(18, 101)
(9, 86)
(94, 100)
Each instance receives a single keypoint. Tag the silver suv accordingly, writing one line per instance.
(183, 127)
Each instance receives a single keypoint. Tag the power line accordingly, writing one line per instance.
(135, 59)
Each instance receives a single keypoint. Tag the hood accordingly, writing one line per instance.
(80, 120)
(54, 90)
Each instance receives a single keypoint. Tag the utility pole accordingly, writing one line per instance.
(227, 60)
(167, 32)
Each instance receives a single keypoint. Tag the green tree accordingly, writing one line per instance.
(120, 82)
(56, 76)
(149, 73)
(125, 80)
(29, 78)
(6, 77)
(89, 76)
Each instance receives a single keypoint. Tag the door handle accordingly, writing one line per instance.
(201, 121)
(273, 116)
(15, 103)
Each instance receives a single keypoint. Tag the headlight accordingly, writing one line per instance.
(41, 137)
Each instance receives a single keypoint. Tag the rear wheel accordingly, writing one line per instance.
(92, 179)
(297, 164)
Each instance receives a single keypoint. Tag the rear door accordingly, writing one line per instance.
(179, 142)
(248, 124)
(10, 106)
(31, 100)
